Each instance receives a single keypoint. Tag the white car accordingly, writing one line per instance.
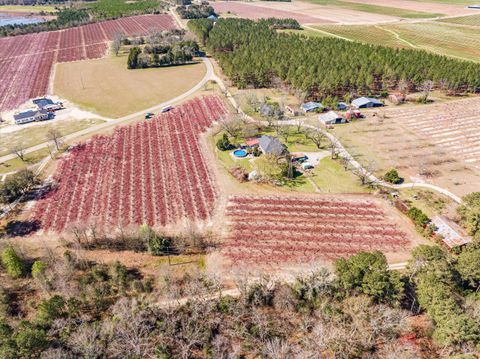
(166, 109)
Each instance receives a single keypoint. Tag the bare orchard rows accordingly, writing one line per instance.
(152, 172)
(454, 126)
(295, 230)
(26, 61)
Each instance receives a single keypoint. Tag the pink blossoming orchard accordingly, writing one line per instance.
(153, 172)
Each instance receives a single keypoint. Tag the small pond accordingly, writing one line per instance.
(16, 19)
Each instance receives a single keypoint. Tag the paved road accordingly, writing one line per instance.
(209, 75)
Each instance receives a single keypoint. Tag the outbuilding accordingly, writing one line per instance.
(30, 116)
(342, 106)
(331, 118)
(451, 234)
(367, 102)
(311, 106)
(270, 145)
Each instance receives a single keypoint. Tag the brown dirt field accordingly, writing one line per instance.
(322, 14)
(394, 143)
(447, 9)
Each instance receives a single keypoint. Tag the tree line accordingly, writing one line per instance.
(254, 54)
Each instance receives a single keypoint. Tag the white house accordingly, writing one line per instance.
(30, 116)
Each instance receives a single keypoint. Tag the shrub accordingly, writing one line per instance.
(50, 309)
(38, 269)
(393, 177)
(13, 263)
(30, 342)
(224, 144)
(418, 217)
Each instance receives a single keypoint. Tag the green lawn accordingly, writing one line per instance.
(378, 9)
(17, 164)
(330, 177)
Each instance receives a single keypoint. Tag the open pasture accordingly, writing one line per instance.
(288, 230)
(152, 172)
(472, 20)
(26, 61)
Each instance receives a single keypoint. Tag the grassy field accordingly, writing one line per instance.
(27, 8)
(116, 8)
(33, 135)
(378, 9)
(17, 164)
(444, 39)
(473, 20)
(107, 87)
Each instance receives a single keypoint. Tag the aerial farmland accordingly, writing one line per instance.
(240, 179)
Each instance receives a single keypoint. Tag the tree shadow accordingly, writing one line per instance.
(21, 228)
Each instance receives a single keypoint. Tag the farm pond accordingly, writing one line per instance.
(16, 19)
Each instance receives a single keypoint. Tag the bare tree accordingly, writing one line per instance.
(55, 136)
(232, 125)
(364, 173)
(299, 124)
(426, 88)
(19, 151)
(284, 131)
(117, 42)
(315, 135)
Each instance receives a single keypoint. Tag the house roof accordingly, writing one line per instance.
(342, 105)
(252, 141)
(41, 102)
(271, 145)
(329, 116)
(362, 101)
(309, 106)
(29, 113)
(452, 236)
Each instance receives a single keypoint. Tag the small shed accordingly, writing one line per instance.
(30, 116)
(451, 233)
(331, 118)
(342, 106)
(271, 145)
(311, 106)
(366, 102)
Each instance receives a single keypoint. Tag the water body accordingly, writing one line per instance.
(15, 19)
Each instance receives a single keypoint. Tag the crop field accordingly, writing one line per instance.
(152, 172)
(26, 61)
(454, 127)
(271, 230)
(259, 12)
(472, 20)
(444, 39)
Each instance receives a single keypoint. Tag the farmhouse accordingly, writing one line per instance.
(311, 106)
(30, 116)
(366, 102)
(450, 232)
(331, 118)
(271, 146)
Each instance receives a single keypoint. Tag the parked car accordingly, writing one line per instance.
(149, 115)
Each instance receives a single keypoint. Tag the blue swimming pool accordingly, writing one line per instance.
(240, 153)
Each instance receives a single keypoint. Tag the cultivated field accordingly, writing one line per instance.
(26, 61)
(444, 39)
(473, 20)
(107, 87)
(278, 231)
(429, 143)
(153, 172)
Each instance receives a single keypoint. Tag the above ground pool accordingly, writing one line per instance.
(240, 153)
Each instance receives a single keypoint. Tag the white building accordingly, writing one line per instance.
(30, 116)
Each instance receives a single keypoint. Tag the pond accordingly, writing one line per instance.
(17, 19)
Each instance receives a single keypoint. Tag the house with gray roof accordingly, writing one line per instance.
(311, 106)
(367, 102)
(270, 145)
(30, 116)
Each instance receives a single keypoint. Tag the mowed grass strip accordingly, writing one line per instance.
(107, 87)
(378, 9)
(27, 8)
(471, 20)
